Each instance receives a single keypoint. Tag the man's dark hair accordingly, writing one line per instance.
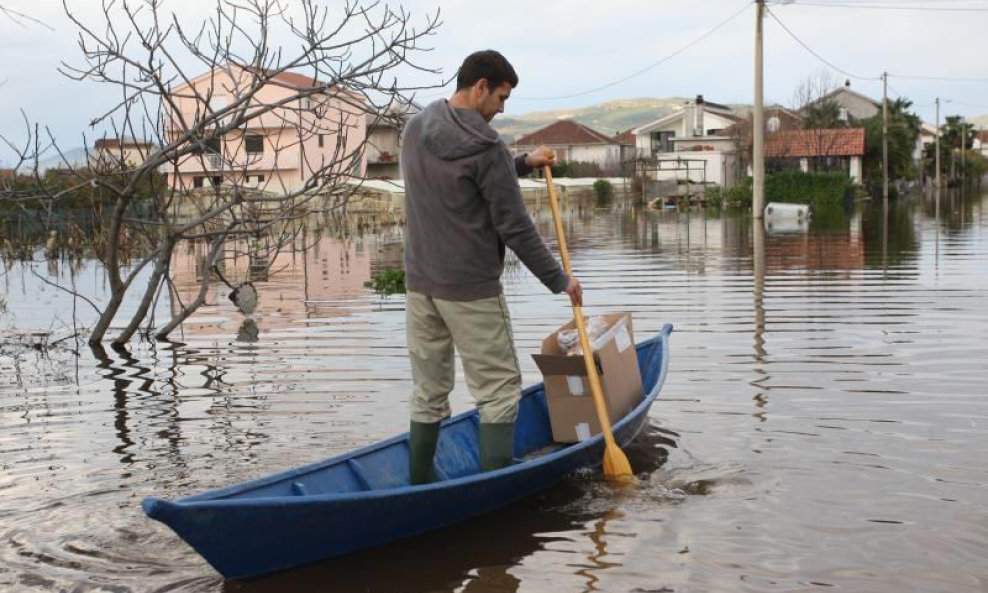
(487, 64)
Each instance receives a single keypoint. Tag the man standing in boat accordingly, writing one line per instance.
(463, 207)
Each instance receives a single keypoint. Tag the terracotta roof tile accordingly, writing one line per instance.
(566, 132)
(297, 80)
(626, 138)
(814, 143)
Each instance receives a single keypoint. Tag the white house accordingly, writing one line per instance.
(927, 135)
(573, 142)
(692, 143)
(980, 142)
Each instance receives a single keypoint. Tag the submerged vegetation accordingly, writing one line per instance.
(816, 188)
(390, 281)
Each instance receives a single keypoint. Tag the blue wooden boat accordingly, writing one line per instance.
(363, 499)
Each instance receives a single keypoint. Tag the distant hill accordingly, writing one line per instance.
(607, 118)
(73, 157)
(979, 121)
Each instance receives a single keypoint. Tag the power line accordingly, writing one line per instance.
(845, 72)
(878, 6)
(815, 54)
(896, 91)
(710, 32)
(974, 105)
(941, 78)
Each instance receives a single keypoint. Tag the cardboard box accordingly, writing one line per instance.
(571, 409)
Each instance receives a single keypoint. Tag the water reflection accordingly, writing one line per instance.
(826, 385)
(475, 555)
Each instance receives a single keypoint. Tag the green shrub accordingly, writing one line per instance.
(388, 282)
(576, 169)
(603, 190)
(738, 196)
(811, 188)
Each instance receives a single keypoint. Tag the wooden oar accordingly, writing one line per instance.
(616, 466)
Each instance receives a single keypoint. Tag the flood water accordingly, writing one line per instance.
(823, 426)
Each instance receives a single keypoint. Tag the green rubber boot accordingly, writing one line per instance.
(422, 440)
(497, 445)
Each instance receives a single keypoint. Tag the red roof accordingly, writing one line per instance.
(626, 138)
(813, 143)
(296, 80)
(564, 132)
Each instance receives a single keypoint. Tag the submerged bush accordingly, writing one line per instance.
(603, 190)
(807, 188)
(734, 197)
(388, 282)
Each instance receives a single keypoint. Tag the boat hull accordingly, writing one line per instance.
(246, 531)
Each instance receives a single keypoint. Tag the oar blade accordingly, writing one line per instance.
(616, 465)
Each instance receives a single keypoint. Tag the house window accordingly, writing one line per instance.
(321, 140)
(207, 145)
(197, 181)
(254, 144)
(260, 178)
(305, 103)
(662, 141)
(217, 180)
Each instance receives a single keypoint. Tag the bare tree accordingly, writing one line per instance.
(207, 123)
(813, 89)
(812, 100)
(21, 18)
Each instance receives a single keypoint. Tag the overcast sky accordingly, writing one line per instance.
(564, 48)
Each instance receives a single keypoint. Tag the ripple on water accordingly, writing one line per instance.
(821, 425)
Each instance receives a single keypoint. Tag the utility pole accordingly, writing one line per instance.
(885, 139)
(937, 161)
(937, 147)
(963, 152)
(758, 122)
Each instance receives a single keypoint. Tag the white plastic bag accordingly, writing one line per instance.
(569, 339)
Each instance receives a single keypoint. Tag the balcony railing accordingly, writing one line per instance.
(214, 162)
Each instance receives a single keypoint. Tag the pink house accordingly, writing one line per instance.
(278, 151)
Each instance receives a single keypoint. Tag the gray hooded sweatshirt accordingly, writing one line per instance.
(463, 206)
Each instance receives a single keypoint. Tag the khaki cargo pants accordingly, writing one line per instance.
(481, 333)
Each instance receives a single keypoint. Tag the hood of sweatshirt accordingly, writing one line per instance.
(451, 133)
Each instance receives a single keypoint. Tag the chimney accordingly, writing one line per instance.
(698, 117)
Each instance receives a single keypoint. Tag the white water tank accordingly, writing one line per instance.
(782, 210)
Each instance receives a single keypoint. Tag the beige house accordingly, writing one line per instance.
(853, 105)
(384, 141)
(280, 150)
(818, 149)
(119, 153)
